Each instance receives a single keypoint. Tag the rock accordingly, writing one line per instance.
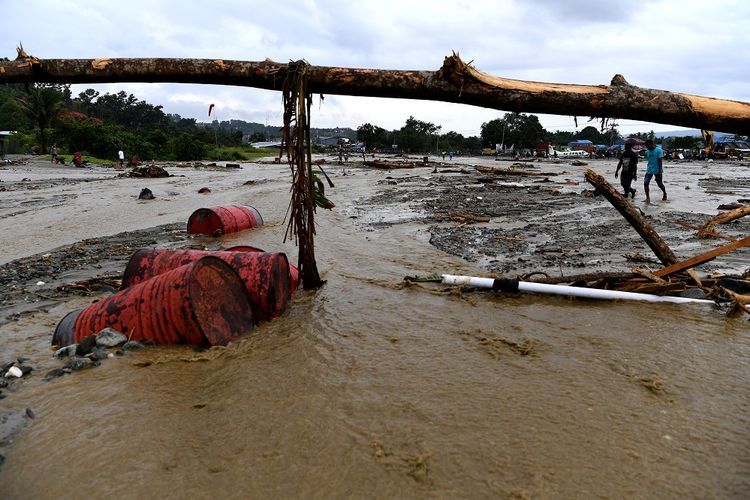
(14, 371)
(109, 337)
(97, 354)
(30, 413)
(85, 345)
(79, 363)
(64, 352)
(25, 369)
(233, 165)
(146, 194)
(22, 360)
(204, 190)
(132, 345)
(11, 424)
(57, 372)
(3, 382)
(693, 293)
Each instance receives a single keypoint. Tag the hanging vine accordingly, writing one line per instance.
(307, 191)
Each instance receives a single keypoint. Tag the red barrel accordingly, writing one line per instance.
(266, 275)
(293, 271)
(202, 303)
(223, 220)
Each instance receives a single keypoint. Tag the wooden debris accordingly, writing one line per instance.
(706, 233)
(731, 215)
(633, 216)
(648, 275)
(513, 172)
(702, 258)
(392, 164)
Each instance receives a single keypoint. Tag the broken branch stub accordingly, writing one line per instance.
(644, 229)
(456, 82)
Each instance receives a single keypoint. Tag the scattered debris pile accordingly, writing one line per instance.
(393, 164)
(150, 171)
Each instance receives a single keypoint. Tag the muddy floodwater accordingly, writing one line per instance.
(368, 387)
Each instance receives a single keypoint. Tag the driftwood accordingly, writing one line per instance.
(702, 258)
(577, 278)
(455, 81)
(513, 172)
(726, 217)
(392, 164)
(631, 214)
(705, 232)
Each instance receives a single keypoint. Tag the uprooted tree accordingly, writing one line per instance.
(455, 81)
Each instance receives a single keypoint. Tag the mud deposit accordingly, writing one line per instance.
(369, 387)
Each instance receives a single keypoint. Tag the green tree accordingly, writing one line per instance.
(373, 136)
(452, 141)
(590, 134)
(42, 106)
(417, 136)
(521, 130)
(686, 142)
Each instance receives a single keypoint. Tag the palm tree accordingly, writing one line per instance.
(42, 106)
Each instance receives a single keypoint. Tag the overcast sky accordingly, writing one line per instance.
(679, 45)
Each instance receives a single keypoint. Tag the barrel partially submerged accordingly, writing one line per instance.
(265, 275)
(293, 270)
(202, 303)
(223, 220)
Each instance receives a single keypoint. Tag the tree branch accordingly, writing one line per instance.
(455, 82)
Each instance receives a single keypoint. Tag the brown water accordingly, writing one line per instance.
(366, 388)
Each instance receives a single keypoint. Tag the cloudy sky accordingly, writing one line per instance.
(680, 45)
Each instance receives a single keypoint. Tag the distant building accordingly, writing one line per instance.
(266, 144)
(331, 141)
(581, 145)
(4, 135)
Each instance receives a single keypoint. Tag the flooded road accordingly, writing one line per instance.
(367, 387)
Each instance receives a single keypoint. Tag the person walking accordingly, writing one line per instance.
(654, 168)
(53, 153)
(121, 157)
(629, 164)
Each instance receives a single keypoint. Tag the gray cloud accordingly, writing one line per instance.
(667, 44)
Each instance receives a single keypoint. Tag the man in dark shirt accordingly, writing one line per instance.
(629, 164)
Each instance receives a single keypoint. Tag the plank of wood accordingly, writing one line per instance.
(702, 258)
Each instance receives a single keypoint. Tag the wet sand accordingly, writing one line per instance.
(367, 387)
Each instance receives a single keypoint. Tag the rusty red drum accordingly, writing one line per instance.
(265, 275)
(201, 303)
(293, 270)
(223, 220)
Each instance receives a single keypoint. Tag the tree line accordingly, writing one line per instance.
(101, 124)
(513, 129)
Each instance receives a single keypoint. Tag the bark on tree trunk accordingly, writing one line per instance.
(725, 217)
(454, 82)
(649, 235)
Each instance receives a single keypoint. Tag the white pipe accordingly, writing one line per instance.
(570, 291)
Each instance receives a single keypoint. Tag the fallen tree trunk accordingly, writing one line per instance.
(649, 235)
(731, 215)
(702, 258)
(456, 82)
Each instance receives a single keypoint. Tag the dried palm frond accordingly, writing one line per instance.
(307, 191)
